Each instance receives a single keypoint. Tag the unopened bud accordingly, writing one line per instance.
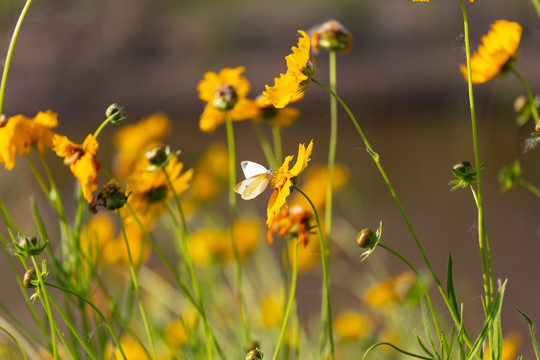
(254, 354)
(157, 155)
(366, 239)
(462, 166)
(115, 113)
(225, 97)
(29, 276)
(331, 36)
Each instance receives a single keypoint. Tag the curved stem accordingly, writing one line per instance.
(136, 287)
(396, 348)
(529, 186)
(15, 341)
(111, 331)
(105, 122)
(265, 145)
(290, 302)
(325, 320)
(232, 204)
(276, 135)
(530, 96)
(10, 52)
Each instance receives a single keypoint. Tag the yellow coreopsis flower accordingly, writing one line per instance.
(296, 79)
(498, 49)
(18, 133)
(282, 180)
(292, 222)
(282, 117)
(225, 93)
(352, 325)
(510, 346)
(390, 291)
(81, 160)
(132, 141)
(150, 190)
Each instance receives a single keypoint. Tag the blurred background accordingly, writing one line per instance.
(401, 80)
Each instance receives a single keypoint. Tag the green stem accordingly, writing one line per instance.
(325, 320)
(136, 287)
(45, 301)
(536, 4)
(111, 331)
(530, 96)
(15, 341)
(10, 52)
(332, 147)
(276, 134)
(375, 157)
(290, 302)
(105, 122)
(529, 186)
(489, 294)
(232, 204)
(265, 145)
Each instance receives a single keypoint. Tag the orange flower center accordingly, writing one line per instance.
(280, 176)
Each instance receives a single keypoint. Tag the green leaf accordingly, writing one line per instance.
(450, 292)
(531, 330)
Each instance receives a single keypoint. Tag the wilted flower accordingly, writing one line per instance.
(293, 222)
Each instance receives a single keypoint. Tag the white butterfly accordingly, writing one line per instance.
(257, 179)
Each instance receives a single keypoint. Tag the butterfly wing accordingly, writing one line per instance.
(253, 186)
(251, 169)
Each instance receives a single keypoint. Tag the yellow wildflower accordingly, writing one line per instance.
(498, 49)
(271, 309)
(132, 141)
(296, 79)
(278, 117)
(315, 184)
(293, 222)
(511, 345)
(390, 291)
(210, 177)
(352, 325)
(132, 349)
(150, 189)
(282, 180)
(178, 331)
(81, 160)
(225, 92)
(97, 233)
(18, 133)
(308, 256)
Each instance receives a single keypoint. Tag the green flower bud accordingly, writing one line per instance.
(462, 166)
(111, 197)
(366, 239)
(331, 36)
(464, 174)
(225, 97)
(30, 246)
(29, 277)
(157, 155)
(115, 113)
(254, 354)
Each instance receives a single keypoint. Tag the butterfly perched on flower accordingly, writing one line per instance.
(257, 179)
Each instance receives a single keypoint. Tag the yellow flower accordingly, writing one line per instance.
(210, 177)
(293, 222)
(225, 92)
(210, 245)
(282, 180)
(296, 79)
(511, 345)
(390, 291)
(178, 331)
(308, 256)
(352, 325)
(18, 133)
(81, 160)
(132, 349)
(132, 141)
(271, 309)
(150, 189)
(498, 49)
(315, 185)
(278, 117)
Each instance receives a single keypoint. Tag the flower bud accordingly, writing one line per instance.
(254, 354)
(157, 155)
(111, 197)
(537, 127)
(115, 113)
(30, 246)
(462, 166)
(331, 36)
(29, 276)
(366, 239)
(225, 97)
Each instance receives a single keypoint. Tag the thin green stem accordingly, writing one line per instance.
(530, 96)
(265, 145)
(46, 306)
(137, 291)
(10, 52)
(232, 205)
(332, 147)
(489, 295)
(326, 321)
(375, 157)
(278, 151)
(527, 185)
(290, 302)
(15, 341)
(98, 131)
(111, 331)
(536, 4)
